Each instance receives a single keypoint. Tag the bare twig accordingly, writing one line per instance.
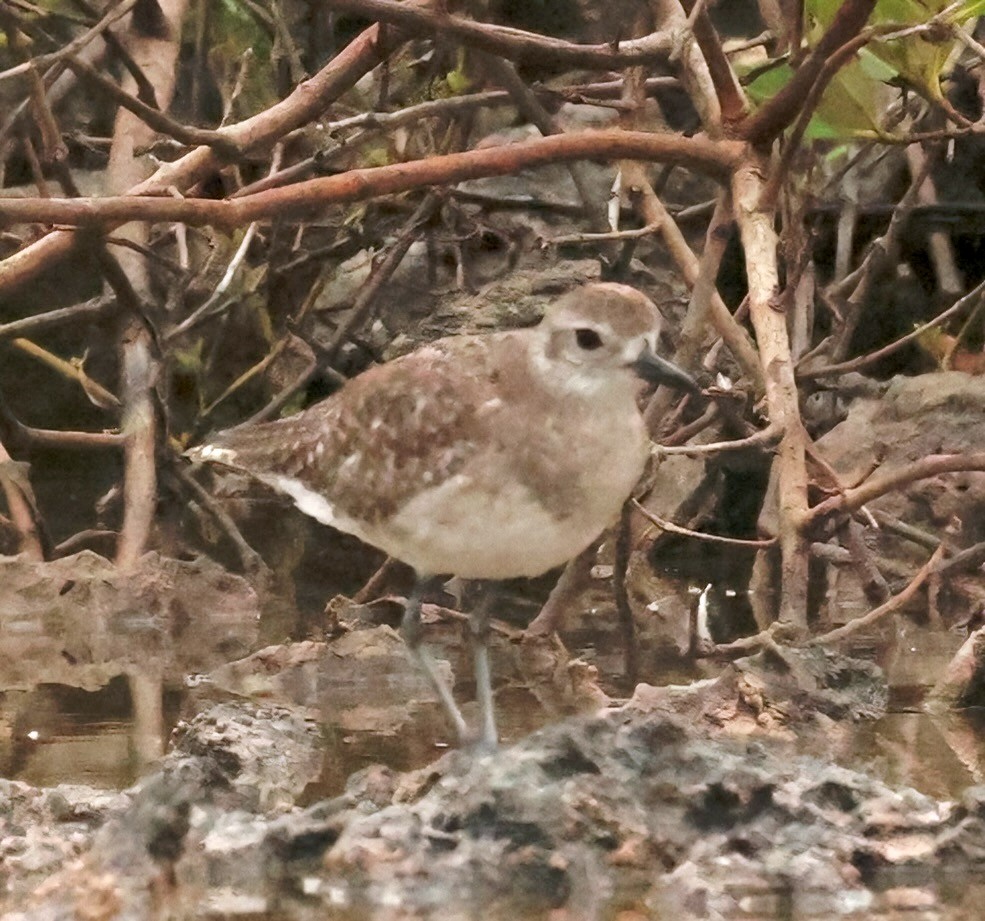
(438, 610)
(757, 41)
(756, 226)
(874, 583)
(145, 89)
(309, 198)
(249, 559)
(893, 604)
(63, 439)
(83, 539)
(307, 102)
(883, 249)
(939, 247)
(853, 499)
(117, 12)
(780, 111)
(916, 535)
(371, 589)
(248, 375)
(970, 558)
(526, 101)
(20, 504)
(881, 252)
(689, 62)
(515, 44)
(828, 70)
(280, 399)
(777, 632)
(587, 238)
(369, 122)
(765, 438)
(684, 433)
(731, 99)
(53, 148)
(381, 273)
(672, 528)
(154, 118)
(227, 278)
(706, 304)
(210, 306)
(70, 370)
(624, 610)
(572, 582)
(855, 363)
(79, 313)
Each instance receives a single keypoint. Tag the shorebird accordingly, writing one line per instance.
(478, 456)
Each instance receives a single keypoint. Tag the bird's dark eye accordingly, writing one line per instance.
(588, 339)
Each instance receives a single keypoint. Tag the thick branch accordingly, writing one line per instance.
(731, 100)
(875, 486)
(515, 44)
(759, 242)
(139, 433)
(309, 198)
(126, 271)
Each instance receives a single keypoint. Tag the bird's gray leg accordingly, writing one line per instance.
(412, 632)
(479, 624)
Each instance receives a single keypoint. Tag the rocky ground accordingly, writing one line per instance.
(689, 802)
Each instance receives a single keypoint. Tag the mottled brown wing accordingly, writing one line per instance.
(389, 433)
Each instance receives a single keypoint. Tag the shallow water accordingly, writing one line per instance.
(59, 734)
(109, 736)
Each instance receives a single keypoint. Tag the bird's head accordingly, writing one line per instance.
(603, 329)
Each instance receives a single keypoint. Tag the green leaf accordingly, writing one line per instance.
(189, 359)
(851, 103)
(458, 81)
(970, 9)
(919, 59)
(769, 83)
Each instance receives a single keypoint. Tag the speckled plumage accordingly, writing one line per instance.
(478, 456)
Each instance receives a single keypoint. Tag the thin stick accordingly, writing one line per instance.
(17, 490)
(764, 438)
(250, 560)
(875, 486)
(95, 391)
(672, 528)
(87, 312)
(624, 610)
(893, 604)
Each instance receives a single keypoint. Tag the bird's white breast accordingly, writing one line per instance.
(483, 524)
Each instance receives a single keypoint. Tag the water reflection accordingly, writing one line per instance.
(96, 668)
(92, 660)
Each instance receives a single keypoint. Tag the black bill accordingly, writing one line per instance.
(658, 370)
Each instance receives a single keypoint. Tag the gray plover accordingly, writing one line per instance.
(483, 457)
